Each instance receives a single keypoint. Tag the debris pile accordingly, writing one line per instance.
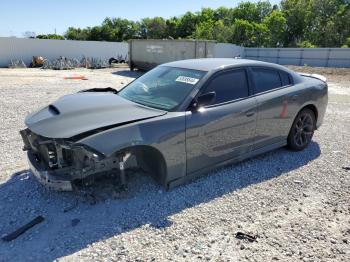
(37, 61)
(61, 63)
(65, 63)
(94, 63)
(119, 60)
(17, 64)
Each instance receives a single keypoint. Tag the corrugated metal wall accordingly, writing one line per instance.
(228, 50)
(325, 57)
(25, 49)
(146, 54)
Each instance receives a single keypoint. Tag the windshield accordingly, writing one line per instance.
(163, 87)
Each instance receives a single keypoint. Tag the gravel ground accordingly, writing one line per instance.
(297, 203)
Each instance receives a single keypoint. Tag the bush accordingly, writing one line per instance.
(306, 44)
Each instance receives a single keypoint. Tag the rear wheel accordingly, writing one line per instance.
(302, 130)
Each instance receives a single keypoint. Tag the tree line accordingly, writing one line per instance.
(292, 23)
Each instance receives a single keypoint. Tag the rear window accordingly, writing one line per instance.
(266, 79)
(286, 79)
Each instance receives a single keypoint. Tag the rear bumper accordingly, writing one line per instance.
(48, 178)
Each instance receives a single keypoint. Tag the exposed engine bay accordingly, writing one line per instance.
(62, 164)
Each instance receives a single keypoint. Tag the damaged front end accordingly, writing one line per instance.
(61, 164)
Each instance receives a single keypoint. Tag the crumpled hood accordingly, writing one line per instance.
(74, 114)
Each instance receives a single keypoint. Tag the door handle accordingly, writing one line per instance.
(250, 113)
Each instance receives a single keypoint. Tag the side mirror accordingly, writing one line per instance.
(204, 100)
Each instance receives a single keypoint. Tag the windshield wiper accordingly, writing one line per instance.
(150, 103)
(147, 103)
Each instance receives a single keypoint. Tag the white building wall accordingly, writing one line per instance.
(25, 49)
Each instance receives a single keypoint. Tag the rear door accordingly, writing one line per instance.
(276, 101)
(226, 128)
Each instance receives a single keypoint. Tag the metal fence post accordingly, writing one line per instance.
(301, 57)
(328, 56)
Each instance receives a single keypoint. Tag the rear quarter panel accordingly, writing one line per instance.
(277, 109)
(314, 92)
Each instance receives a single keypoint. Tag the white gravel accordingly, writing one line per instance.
(297, 203)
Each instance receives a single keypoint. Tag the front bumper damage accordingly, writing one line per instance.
(49, 178)
(61, 164)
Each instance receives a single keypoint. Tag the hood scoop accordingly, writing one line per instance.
(106, 89)
(53, 110)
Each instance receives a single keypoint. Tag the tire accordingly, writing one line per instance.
(302, 130)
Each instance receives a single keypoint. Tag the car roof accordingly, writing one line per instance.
(211, 64)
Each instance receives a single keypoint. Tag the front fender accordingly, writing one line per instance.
(165, 133)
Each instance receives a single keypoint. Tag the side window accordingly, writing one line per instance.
(229, 86)
(285, 77)
(265, 79)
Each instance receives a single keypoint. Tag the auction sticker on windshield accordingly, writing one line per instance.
(187, 80)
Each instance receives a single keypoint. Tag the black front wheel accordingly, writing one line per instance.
(302, 130)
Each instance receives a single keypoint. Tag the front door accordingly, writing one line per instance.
(225, 129)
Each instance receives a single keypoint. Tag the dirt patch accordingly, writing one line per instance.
(333, 74)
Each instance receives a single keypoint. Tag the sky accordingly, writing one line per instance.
(46, 16)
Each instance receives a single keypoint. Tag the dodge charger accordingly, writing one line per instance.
(176, 122)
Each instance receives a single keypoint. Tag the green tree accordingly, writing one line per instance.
(172, 27)
(118, 29)
(337, 28)
(222, 33)
(346, 43)
(260, 35)
(153, 28)
(95, 33)
(322, 29)
(204, 29)
(276, 24)
(225, 15)
(77, 33)
(187, 25)
(306, 44)
(324, 23)
(252, 12)
(298, 15)
(249, 34)
(50, 36)
(264, 8)
(246, 11)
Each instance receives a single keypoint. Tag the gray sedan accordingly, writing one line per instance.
(178, 121)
